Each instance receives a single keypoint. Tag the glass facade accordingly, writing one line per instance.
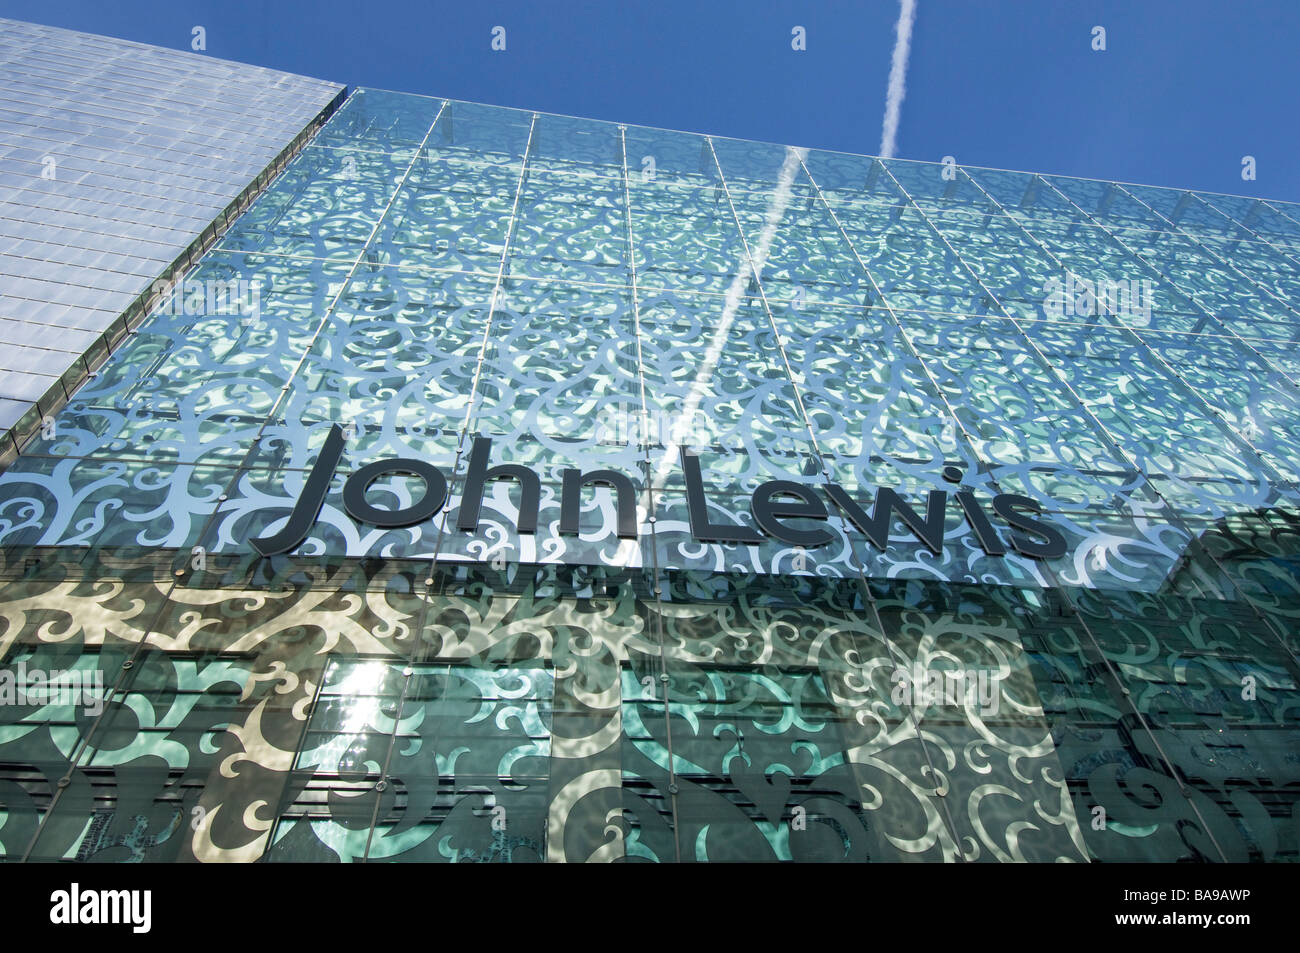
(1028, 587)
(118, 162)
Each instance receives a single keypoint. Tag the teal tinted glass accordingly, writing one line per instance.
(513, 675)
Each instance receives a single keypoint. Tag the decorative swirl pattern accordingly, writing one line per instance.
(431, 272)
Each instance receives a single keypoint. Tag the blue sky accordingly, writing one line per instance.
(1184, 90)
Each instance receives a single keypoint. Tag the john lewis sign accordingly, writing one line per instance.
(772, 504)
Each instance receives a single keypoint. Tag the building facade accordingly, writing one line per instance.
(120, 162)
(556, 490)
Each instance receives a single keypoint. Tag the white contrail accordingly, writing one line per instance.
(747, 266)
(897, 77)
